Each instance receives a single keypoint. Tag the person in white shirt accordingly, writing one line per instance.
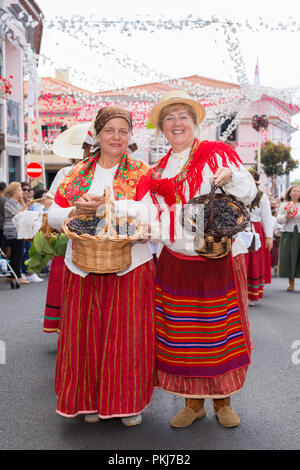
(195, 296)
(258, 262)
(52, 313)
(289, 251)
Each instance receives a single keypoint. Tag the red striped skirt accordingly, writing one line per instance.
(54, 293)
(106, 351)
(258, 265)
(221, 385)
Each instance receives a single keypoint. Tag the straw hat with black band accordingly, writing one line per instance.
(176, 97)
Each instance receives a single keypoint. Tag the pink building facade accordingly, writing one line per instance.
(16, 40)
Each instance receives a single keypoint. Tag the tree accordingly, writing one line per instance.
(276, 159)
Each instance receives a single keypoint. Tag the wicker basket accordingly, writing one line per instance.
(106, 252)
(214, 243)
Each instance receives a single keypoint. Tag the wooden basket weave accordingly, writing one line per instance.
(106, 252)
(214, 243)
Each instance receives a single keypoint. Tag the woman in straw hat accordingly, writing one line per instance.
(203, 342)
(105, 363)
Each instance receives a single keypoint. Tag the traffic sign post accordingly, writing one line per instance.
(34, 170)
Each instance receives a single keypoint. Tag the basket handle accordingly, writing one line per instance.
(108, 229)
(212, 196)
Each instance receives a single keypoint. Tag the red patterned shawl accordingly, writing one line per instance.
(81, 176)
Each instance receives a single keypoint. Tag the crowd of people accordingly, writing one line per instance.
(179, 323)
(14, 198)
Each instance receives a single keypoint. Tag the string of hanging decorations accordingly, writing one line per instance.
(217, 101)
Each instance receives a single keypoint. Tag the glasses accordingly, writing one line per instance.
(27, 190)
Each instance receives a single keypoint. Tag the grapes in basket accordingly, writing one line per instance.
(224, 215)
(93, 226)
(90, 226)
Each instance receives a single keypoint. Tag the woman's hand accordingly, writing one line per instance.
(269, 243)
(88, 204)
(221, 177)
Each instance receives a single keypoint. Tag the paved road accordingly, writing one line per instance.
(269, 405)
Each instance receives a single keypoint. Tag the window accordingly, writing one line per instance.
(13, 168)
(225, 123)
(51, 131)
(13, 120)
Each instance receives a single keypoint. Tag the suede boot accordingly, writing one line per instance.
(291, 284)
(194, 409)
(225, 414)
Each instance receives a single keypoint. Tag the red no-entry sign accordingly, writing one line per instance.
(34, 170)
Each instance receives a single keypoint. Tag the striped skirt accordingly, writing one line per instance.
(258, 265)
(220, 384)
(54, 293)
(106, 351)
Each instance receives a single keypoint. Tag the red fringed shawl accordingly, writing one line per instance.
(170, 189)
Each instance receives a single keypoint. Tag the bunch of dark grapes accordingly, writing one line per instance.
(85, 226)
(224, 216)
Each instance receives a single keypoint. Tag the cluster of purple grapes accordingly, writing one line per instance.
(224, 215)
(86, 226)
(95, 224)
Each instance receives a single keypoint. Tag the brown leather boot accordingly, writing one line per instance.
(291, 284)
(225, 414)
(194, 409)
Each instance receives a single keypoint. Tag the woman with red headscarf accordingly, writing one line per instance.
(105, 363)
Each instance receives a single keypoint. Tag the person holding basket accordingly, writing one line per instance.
(105, 362)
(203, 341)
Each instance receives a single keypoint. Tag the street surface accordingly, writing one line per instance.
(269, 404)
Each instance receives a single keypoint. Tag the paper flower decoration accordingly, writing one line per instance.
(293, 208)
(259, 122)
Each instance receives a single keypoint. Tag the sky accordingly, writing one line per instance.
(173, 53)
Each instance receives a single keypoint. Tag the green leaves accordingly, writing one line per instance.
(61, 245)
(276, 159)
(43, 251)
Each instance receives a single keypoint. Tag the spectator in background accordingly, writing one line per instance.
(39, 192)
(26, 275)
(13, 205)
(276, 240)
(2, 202)
(26, 189)
(289, 248)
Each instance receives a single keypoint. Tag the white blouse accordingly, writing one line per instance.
(241, 185)
(140, 251)
(263, 214)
